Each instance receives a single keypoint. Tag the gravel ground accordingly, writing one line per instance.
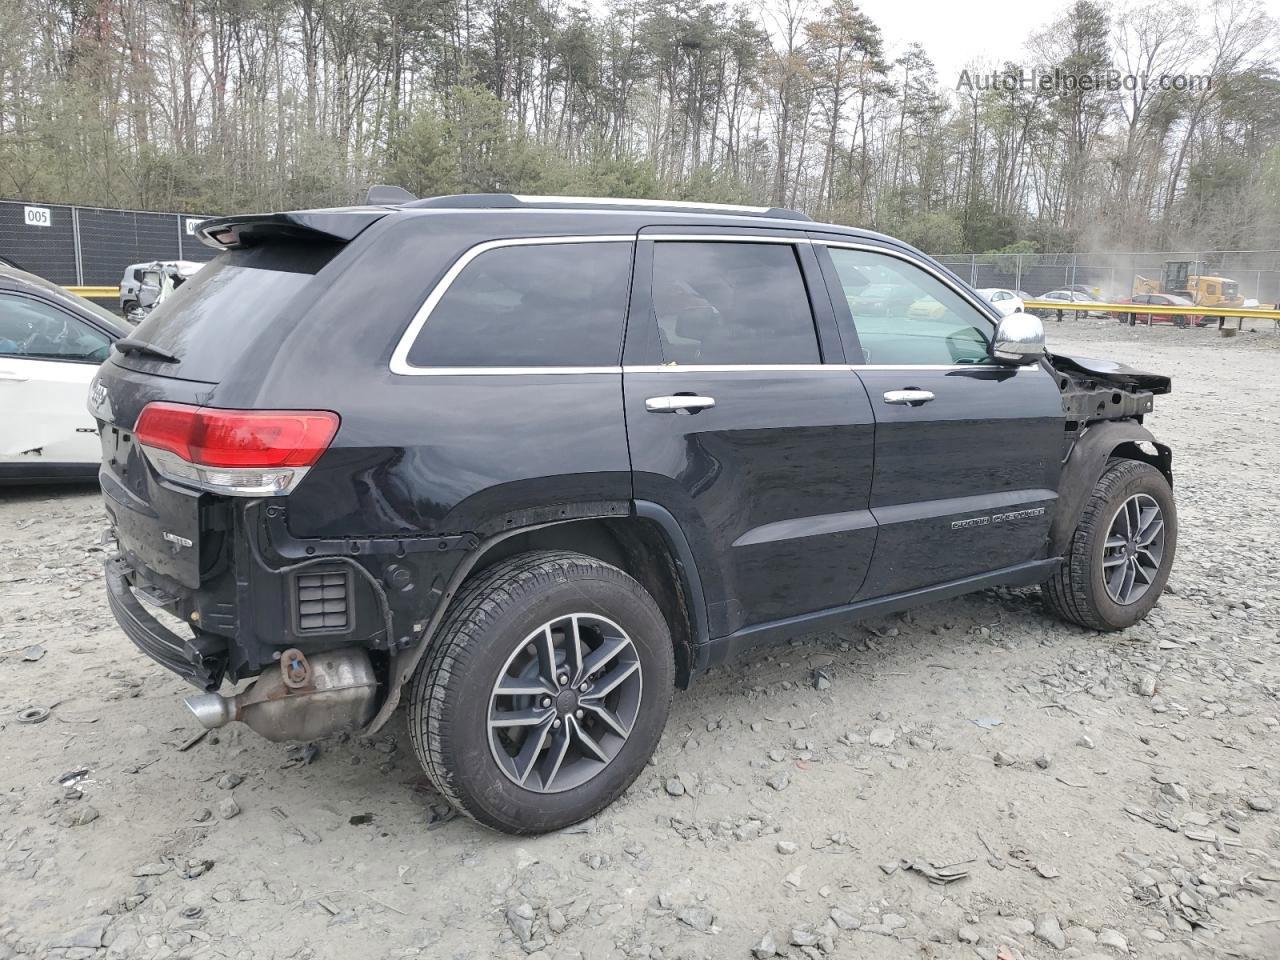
(973, 779)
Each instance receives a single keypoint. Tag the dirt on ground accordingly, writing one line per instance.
(971, 779)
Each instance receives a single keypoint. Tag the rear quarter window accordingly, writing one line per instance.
(530, 305)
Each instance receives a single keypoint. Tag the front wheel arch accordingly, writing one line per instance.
(1089, 457)
(1095, 585)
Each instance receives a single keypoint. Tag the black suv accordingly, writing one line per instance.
(530, 463)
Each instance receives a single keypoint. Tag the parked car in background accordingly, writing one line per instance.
(1067, 296)
(882, 299)
(1092, 293)
(582, 451)
(142, 285)
(1005, 301)
(1159, 300)
(51, 343)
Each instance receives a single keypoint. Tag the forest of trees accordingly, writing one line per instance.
(215, 106)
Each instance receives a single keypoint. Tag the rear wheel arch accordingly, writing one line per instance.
(643, 546)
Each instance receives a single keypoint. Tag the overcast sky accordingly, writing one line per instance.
(954, 33)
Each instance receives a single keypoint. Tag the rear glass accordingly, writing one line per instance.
(209, 320)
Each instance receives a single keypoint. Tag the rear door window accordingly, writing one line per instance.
(724, 302)
(531, 305)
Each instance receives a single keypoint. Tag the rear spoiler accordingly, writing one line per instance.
(339, 225)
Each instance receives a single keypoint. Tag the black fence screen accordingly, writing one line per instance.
(40, 239)
(91, 246)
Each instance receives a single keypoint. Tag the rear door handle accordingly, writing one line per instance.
(10, 375)
(680, 403)
(909, 397)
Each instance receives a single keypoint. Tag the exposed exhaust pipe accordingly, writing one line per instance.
(304, 700)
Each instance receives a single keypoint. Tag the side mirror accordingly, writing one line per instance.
(1019, 339)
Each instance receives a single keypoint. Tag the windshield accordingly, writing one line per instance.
(208, 321)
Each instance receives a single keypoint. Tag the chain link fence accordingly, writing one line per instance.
(1113, 275)
(91, 246)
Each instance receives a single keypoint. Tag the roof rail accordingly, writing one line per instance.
(514, 201)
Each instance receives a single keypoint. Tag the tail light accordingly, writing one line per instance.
(242, 453)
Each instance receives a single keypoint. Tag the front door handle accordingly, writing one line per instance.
(10, 375)
(680, 403)
(909, 397)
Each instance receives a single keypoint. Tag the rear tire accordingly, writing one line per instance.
(1110, 578)
(561, 750)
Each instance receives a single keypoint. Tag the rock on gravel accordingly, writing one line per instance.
(1049, 930)
(881, 737)
(699, 918)
(844, 920)
(765, 947)
(89, 936)
(79, 816)
(1113, 939)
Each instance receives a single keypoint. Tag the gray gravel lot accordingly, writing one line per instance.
(973, 779)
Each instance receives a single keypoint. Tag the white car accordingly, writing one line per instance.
(1005, 301)
(140, 285)
(1073, 296)
(51, 344)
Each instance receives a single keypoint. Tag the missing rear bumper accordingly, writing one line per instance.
(198, 660)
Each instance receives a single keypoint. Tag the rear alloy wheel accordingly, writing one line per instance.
(1120, 554)
(545, 693)
(565, 703)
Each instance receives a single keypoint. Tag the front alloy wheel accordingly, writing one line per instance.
(1134, 550)
(1121, 552)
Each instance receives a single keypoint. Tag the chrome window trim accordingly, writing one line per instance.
(501, 371)
(725, 237)
(942, 366)
(400, 356)
(735, 367)
(705, 368)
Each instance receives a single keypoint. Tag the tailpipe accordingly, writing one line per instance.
(304, 700)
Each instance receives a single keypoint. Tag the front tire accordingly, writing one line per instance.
(545, 693)
(1120, 555)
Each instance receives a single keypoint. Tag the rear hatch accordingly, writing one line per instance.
(223, 320)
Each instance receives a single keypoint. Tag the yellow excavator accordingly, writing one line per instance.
(1183, 278)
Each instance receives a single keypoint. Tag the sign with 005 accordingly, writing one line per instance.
(37, 217)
